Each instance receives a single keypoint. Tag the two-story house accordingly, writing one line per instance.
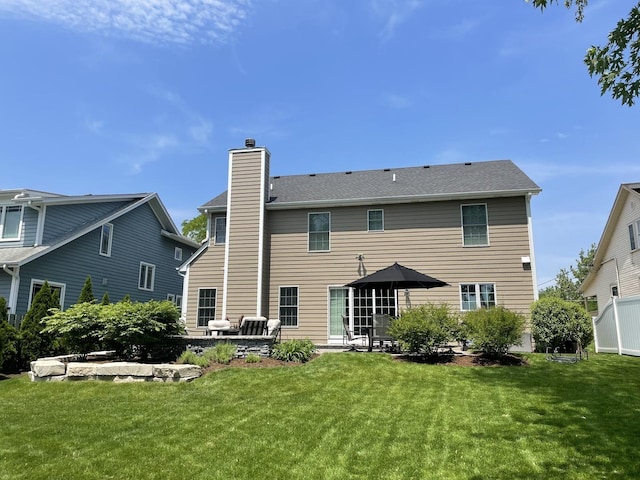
(285, 246)
(128, 244)
(616, 263)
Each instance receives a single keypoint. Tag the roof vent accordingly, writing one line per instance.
(426, 166)
(312, 174)
(250, 142)
(387, 170)
(347, 173)
(468, 163)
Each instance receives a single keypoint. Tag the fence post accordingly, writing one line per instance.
(595, 333)
(617, 322)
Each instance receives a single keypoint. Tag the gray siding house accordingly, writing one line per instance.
(128, 244)
(285, 246)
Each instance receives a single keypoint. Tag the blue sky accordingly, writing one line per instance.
(117, 96)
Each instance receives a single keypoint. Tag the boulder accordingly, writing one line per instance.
(125, 369)
(48, 368)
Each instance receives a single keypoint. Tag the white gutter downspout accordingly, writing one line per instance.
(534, 275)
(15, 283)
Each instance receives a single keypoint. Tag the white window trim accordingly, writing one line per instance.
(2, 220)
(634, 229)
(153, 277)
(297, 325)
(478, 302)
(369, 221)
(215, 230)
(309, 232)
(177, 254)
(110, 225)
(486, 219)
(215, 314)
(61, 286)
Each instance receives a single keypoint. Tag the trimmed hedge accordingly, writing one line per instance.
(494, 330)
(424, 328)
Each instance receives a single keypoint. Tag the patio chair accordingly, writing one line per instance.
(273, 328)
(351, 339)
(216, 327)
(253, 326)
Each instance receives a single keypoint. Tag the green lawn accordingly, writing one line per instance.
(340, 416)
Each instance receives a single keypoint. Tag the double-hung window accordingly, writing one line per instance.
(477, 295)
(375, 220)
(10, 221)
(288, 306)
(106, 238)
(475, 229)
(319, 231)
(634, 235)
(220, 231)
(146, 276)
(177, 254)
(206, 306)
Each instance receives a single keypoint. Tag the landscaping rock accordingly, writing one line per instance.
(81, 369)
(47, 368)
(176, 372)
(125, 369)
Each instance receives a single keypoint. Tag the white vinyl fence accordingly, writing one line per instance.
(617, 328)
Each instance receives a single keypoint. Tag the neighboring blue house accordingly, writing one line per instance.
(128, 244)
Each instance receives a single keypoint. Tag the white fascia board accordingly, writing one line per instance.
(180, 238)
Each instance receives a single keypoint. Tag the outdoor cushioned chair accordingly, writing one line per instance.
(216, 327)
(351, 339)
(273, 328)
(253, 326)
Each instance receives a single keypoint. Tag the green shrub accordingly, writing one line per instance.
(294, 350)
(189, 357)
(253, 358)
(221, 353)
(424, 328)
(494, 330)
(131, 329)
(34, 343)
(80, 328)
(138, 329)
(555, 321)
(9, 348)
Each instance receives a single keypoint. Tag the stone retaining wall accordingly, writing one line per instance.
(55, 370)
(260, 345)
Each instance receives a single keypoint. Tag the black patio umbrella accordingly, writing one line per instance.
(397, 277)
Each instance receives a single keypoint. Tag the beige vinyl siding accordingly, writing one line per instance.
(206, 272)
(244, 233)
(619, 253)
(423, 236)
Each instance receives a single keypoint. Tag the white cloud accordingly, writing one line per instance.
(393, 13)
(395, 101)
(151, 21)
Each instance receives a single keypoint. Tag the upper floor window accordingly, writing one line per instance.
(10, 221)
(634, 235)
(288, 306)
(146, 277)
(106, 237)
(375, 220)
(477, 295)
(220, 231)
(177, 254)
(319, 230)
(475, 230)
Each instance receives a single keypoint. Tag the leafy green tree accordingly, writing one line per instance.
(617, 63)
(196, 228)
(86, 294)
(34, 343)
(567, 282)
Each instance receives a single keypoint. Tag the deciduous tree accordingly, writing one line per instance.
(616, 64)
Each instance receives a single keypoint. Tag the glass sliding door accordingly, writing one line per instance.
(338, 306)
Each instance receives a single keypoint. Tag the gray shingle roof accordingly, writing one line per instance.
(463, 180)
